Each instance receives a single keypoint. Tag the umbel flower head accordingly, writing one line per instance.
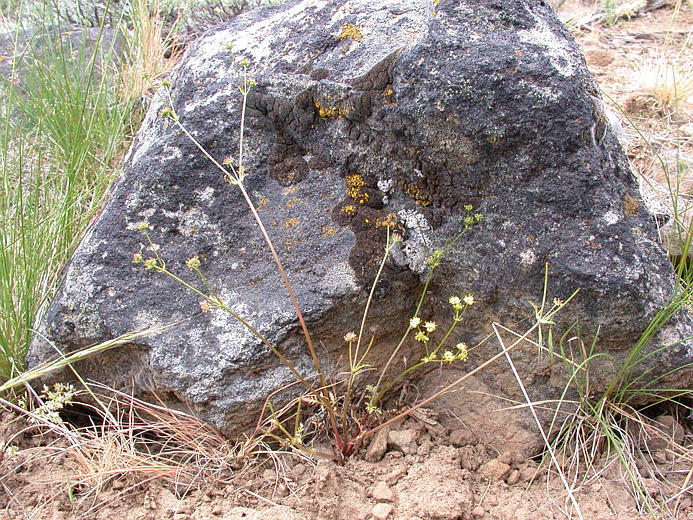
(193, 263)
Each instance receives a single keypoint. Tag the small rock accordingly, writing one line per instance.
(514, 477)
(268, 475)
(299, 469)
(670, 431)
(598, 57)
(686, 503)
(381, 511)
(381, 492)
(494, 470)
(527, 473)
(478, 512)
(403, 440)
(378, 446)
(461, 438)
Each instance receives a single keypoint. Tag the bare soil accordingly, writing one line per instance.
(431, 467)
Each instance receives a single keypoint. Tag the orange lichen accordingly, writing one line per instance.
(291, 202)
(390, 220)
(349, 209)
(419, 195)
(291, 222)
(327, 111)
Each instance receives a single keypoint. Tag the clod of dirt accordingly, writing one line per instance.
(434, 489)
(381, 492)
(494, 470)
(471, 457)
(462, 438)
(381, 511)
(378, 446)
(403, 440)
(478, 512)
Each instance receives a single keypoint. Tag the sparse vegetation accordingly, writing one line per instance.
(67, 123)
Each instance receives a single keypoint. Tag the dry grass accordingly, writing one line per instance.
(153, 51)
(129, 442)
(667, 81)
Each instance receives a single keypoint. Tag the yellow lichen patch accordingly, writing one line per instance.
(389, 96)
(327, 111)
(292, 202)
(390, 220)
(352, 31)
(631, 206)
(420, 197)
(349, 209)
(291, 222)
(290, 190)
(289, 244)
(329, 231)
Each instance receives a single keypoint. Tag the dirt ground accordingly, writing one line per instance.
(427, 468)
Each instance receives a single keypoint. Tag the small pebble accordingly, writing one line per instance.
(478, 512)
(381, 492)
(381, 511)
(494, 470)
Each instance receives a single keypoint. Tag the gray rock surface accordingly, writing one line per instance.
(425, 109)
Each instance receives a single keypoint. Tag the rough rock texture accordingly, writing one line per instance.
(408, 114)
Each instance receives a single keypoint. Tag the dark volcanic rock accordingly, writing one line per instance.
(408, 115)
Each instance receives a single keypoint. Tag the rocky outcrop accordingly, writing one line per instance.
(400, 111)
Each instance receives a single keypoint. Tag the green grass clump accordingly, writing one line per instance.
(64, 128)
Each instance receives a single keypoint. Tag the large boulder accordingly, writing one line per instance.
(401, 111)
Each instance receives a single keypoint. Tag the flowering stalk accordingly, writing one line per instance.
(433, 262)
(235, 176)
